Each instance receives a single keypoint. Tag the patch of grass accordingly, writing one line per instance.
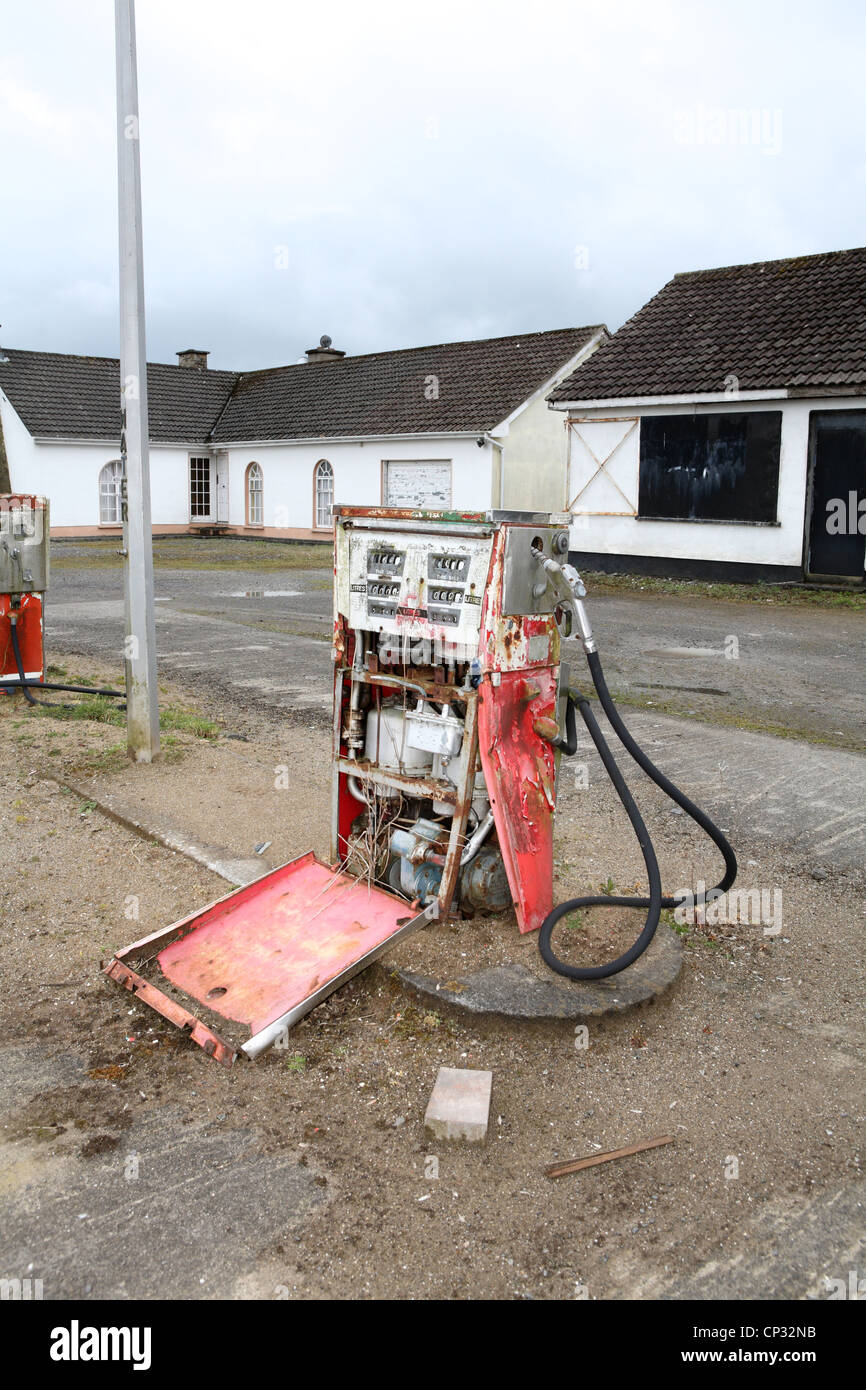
(188, 721)
(172, 749)
(691, 932)
(200, 553)
(411, 1021)
(608, 888)
(297, 1062)
(111, 759)
(100, 709)
(781, 594)
(574, 922)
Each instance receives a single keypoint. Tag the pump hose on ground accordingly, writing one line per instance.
(655, 902)
(28, 686)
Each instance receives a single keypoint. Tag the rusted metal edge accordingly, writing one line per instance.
(406, 514)
(451, 870)
(205, 1037)
(435, 690)
(423, 787)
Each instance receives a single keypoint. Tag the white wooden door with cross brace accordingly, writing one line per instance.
(603, 466)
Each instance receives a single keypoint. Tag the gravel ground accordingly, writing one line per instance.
(307, 1174)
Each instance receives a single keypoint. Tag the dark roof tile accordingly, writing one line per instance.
(62, 396)
(775, 324)
(479, 383)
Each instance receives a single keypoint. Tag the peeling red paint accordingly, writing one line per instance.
(520, 770)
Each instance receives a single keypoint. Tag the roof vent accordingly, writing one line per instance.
(324, 352)
(192, 357)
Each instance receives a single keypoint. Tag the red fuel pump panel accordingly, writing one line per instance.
(520, 771)
(30, 637)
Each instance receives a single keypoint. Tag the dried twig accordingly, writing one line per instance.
(559, 1170)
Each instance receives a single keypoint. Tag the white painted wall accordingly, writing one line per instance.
(288, 474)
(19, 448)
(68, 474)
(536, 449)
(593, 530)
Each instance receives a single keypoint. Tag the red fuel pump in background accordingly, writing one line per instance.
(24, 565)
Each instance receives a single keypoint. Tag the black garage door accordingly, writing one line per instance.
(836, 526)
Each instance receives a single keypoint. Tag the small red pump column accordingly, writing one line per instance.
(24, 565)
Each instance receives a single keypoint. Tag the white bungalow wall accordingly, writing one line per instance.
(288, 477)
(605, 520)
(67, 472)
(535, 454)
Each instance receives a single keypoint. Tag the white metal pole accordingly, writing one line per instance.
(142, 717)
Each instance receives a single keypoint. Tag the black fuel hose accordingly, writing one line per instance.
(568, 745)
(29, 686)
(656, 901)
(23, 683)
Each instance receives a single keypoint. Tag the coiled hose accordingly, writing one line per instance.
(656, 901)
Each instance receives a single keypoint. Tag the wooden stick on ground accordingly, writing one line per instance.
(559, 1170)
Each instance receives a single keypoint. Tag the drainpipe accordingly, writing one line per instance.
(499, 449)
(5, 481)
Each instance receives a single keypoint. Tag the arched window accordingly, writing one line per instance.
(255, 496)
(324, 488)
(110, 482)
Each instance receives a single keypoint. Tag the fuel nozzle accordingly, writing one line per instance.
(572, 590)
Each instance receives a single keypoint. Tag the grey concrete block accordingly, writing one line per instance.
(459, 1107)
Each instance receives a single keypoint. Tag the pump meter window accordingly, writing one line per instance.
(421, 483)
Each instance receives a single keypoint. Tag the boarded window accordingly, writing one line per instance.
(722, 467)
(418, 483)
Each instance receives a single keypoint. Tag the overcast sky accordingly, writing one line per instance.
(399, 174)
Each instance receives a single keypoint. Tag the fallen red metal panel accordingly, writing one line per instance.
(520, 771)
(259, 957)
(268, 949)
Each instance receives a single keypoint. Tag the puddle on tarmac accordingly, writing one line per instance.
(263, 593)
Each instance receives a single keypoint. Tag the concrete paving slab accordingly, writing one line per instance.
(459, 1107)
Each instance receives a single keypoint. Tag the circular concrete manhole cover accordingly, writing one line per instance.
(514, 991)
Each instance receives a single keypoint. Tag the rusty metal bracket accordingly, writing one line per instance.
(206, 1038)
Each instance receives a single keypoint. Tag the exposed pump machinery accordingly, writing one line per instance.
(452, 707)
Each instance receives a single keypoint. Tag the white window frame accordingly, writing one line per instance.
(194, 488)
(320, 493)
(111, 493)
(255, 495)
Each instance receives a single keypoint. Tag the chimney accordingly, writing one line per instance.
(193, 357)
(324, 352)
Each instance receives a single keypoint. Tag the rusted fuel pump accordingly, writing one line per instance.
(25, 549)
(450, 706)
(24, 564)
